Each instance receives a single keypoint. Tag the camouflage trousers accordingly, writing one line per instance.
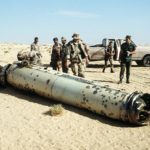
(78, 69)
(65, 67)
(56, 65)
(110, 60)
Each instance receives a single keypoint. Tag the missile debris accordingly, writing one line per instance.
(133, 108)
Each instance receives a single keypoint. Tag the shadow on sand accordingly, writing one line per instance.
(105, 81)
(95, 65)
(102, 65)
(34, 98)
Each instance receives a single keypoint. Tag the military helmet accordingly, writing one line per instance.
(63, 39)
(76, 36)
(55, 39)
(128, 37)
(36, 38)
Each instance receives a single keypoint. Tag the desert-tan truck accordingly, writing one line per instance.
(96, 52)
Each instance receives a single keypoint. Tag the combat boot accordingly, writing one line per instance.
(120, 81)
(81, 75)
(112, 71)
(121, 78)
(103, 70)
(127, 81)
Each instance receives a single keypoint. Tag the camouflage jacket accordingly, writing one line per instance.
(64, 53)
(77, 52)
(29, 56)
(56, 49)
(23, 55)
(36, 48)
(109, 52)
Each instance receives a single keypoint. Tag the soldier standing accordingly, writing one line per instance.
(127, 50)
(55, 56)
(77, 53)
(65, 56)
(109, 53)
(35, 48)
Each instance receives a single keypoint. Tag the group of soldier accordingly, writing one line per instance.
(75, 55)
(33, 56)
(63, 55)
(127, 50)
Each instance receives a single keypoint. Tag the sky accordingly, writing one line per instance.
(22, 20)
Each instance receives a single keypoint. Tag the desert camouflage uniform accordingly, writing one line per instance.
(56, 57)
(23, 55)
(64, 58)
(109, 54)
(29, 56)
(77, 53)
(35, 49)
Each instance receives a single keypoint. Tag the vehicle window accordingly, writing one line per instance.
(104, 42)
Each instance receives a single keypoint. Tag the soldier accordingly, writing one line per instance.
(127, 50)
(65, 56)
(109, 53)
(77, 53)
(36, 49)
(23, 55)
(28, 56)
(55, 56)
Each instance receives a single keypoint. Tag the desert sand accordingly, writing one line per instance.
(26, 125)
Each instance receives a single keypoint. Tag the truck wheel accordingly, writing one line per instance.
(146, 61)
(139, 62)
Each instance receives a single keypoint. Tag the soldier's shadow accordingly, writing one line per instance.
(102, 65)
(33, 98)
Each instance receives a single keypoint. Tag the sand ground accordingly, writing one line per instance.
(25, 124)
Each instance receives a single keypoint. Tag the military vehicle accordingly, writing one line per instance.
(142, 56)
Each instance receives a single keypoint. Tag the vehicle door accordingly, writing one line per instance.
(117, 48)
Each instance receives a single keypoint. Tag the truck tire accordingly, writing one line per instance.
(139, 62)
(146, 61)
